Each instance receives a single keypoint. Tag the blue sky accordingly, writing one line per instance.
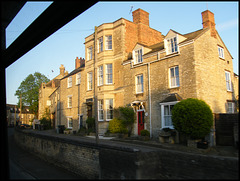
(68, 42)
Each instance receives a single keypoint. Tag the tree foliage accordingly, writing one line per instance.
(28, 89)
(192, 117)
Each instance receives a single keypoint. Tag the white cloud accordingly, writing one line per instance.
(227, 25)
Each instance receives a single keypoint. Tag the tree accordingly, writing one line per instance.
(193, 118)
(28, 89)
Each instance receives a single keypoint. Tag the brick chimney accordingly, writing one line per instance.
(62, 70)
(79, 62)
(140, 16)
(209, 22)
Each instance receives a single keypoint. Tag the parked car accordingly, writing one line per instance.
(24, 126)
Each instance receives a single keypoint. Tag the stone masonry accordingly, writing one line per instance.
(184, 65)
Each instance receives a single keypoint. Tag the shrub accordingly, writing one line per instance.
(144, 132)
(193, 118)
(126, 115)
(46, 123)
(91, 124)
(117, 126)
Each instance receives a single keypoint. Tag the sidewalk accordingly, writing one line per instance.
(226, 151)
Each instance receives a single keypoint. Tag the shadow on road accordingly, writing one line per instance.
(24, 165)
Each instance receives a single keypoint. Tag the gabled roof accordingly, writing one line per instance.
(189, 36)
(74, 72)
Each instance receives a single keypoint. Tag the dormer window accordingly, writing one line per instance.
(171, 45)
(138, 56)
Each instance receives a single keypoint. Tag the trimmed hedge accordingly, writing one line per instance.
(192, 117)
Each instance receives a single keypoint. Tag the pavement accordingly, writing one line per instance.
(144, 146)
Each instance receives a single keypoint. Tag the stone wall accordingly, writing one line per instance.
(107, 161)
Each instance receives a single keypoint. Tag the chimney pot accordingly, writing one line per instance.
(209, 22)
(62, 69)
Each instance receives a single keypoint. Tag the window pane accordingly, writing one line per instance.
(176, 71)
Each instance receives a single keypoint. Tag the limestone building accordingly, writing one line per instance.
(129, 63)
(46, 89)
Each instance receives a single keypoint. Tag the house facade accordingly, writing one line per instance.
(16, 116)
(46, 89)
(129, 63)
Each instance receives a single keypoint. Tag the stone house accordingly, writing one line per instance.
(14, 115)
(46, 89)
(129, 63)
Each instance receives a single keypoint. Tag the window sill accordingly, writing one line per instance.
(177, 87)
(172, 54)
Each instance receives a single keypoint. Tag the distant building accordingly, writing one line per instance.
(46, 89)
(15, 116)
(129, 63)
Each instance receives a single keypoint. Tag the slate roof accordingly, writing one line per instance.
(189, 36)
(171, 98)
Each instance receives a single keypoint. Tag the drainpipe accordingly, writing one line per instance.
(95, 98)
(149, 97)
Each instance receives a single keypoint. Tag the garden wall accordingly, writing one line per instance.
(224, 124)
(93, 161)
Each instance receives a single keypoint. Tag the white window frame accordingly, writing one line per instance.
(69, 101)
(108, 42)
(100, 75)
(89, 53)
(139, 85)
(174, 81)
(138, 56)
(69, 118)
(100, 110)
(221, 52)
(171, 45)
(109, 74)
(100, 44)
(78, 78)
(163, 115)
(230, 107)
(89, 81)
(69, 82)
(228, 81)
(108, 109)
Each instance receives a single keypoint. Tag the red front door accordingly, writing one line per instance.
(140, 117)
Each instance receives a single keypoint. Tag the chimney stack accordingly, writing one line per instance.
(62, 70)
(140, 16)
(209, 22)
(79, 62)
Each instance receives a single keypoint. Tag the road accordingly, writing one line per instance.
(23, 165)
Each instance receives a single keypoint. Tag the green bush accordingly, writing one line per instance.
(117, 126)
(91, 124)
(46, 123)
(126, 115)
(144, 132)
(193, 118)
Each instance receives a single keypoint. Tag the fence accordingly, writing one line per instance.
(226, 129)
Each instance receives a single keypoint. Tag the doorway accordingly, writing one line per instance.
(140, 119)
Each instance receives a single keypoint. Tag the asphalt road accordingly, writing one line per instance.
(23, 165)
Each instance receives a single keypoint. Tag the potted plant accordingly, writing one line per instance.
(144, 135)
(193, 118)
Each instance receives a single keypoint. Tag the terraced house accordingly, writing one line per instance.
(129, 63)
